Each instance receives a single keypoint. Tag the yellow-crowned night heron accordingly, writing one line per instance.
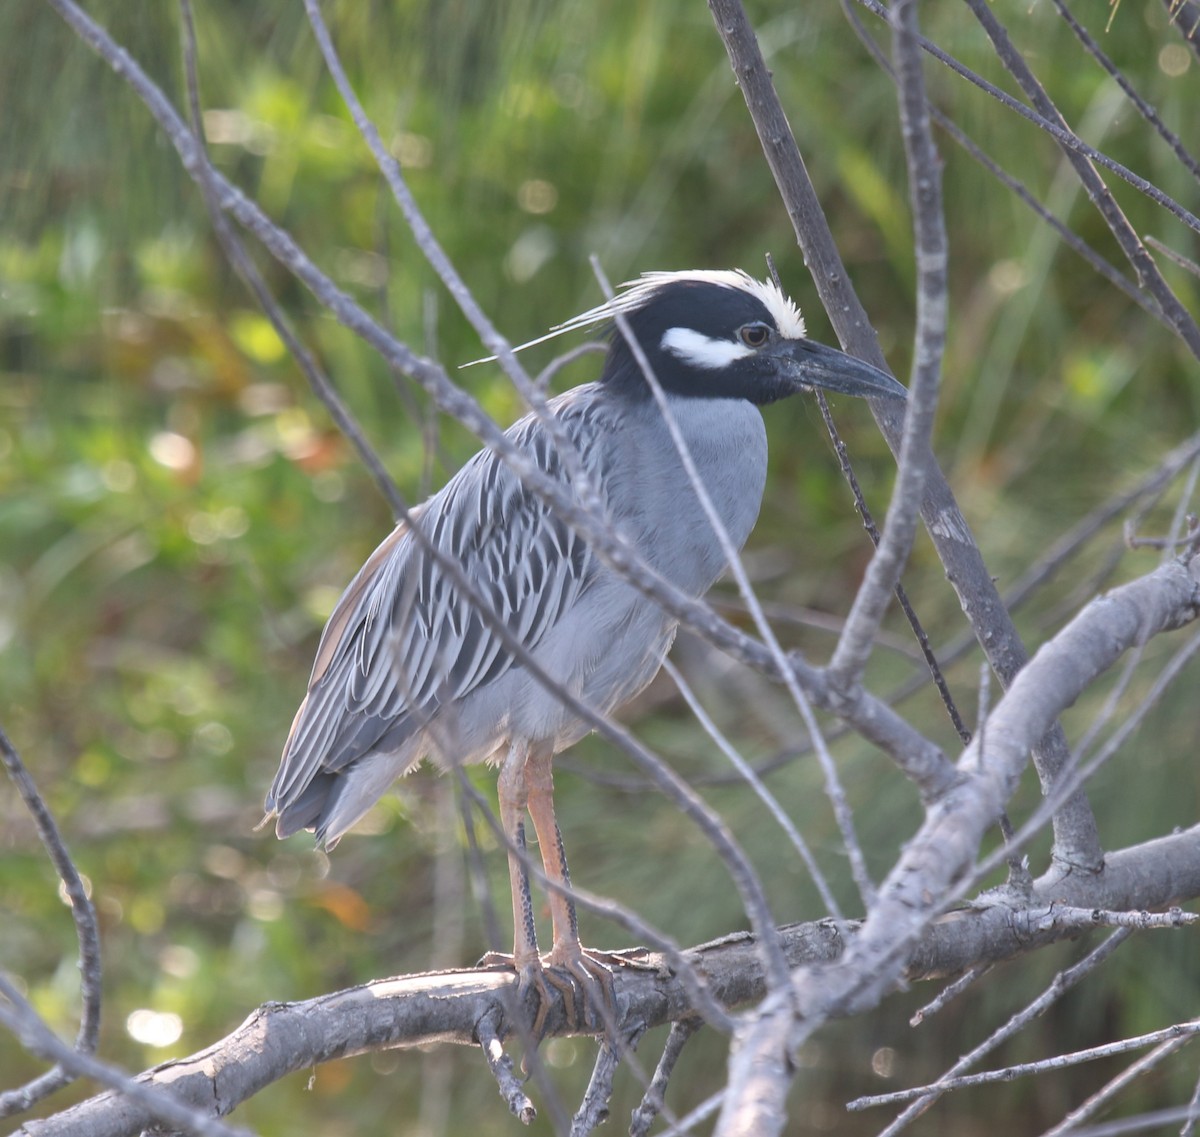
(408, 669)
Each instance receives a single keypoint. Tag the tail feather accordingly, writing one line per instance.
(311, 809)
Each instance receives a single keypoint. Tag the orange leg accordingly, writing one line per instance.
(526, 783)
(540, 783)
(514, 796)
(591, 970)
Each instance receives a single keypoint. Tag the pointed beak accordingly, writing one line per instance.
(810, 364)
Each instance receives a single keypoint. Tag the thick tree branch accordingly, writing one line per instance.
(448, 1007)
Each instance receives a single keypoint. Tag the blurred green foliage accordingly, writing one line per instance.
(177, 514)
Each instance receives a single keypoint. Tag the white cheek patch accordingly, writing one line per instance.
(698, 350)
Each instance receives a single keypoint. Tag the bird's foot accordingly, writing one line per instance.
(533, 982)
(583, 977)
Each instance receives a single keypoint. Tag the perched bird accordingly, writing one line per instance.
(410, 668)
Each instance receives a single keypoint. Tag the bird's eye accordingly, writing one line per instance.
(754, 335)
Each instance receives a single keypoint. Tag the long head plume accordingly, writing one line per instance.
(636, 294)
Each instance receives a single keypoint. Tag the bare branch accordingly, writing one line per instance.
(746, 771)
(151, 1102)
(921, 636)
(1059, 985)
(1052, 126)
(501, 1067)
(1181, 1031)
(949, 993)
(1143, 108)
(916, 457)
(1072, 240)
(1077, 841)
(941, 854)
(1185, 263)
(86, 931)
(593, 1110)
(243, 264)
(1143, 264)
(1149, 486)
(449, 1006)
(652, 1103)
(1105, 1094)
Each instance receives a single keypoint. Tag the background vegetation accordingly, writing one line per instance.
(177, 514)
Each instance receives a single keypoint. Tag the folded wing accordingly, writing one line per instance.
(407, 638)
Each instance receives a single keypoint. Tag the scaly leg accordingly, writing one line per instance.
(587, 968)
(514, 795)
(526, 783)
(540, 785)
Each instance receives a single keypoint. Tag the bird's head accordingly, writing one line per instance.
(723, 335)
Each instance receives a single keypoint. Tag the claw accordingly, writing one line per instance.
(584, 978)
(593, 973)
(532, 980)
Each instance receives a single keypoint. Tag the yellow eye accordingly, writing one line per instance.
(754, 335)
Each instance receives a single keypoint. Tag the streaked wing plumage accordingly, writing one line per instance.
(405, 639)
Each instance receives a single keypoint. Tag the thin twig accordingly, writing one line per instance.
(916, 457)
(687, 1124)
(17, 1015)
(1118, 76)
(1185, 263)
(501, 1066)
(548, 373)
(243, 264)
(1150, 485)
(1072, 240)
(1189, 1128)
(910, 614)
(1059, 985)
(655, 1097)
(1180, 1031)
(746, 772)
(1055, 129)
(948, 994)
(86, 931)
(1077, 839)
(1077, 775)
(1112, 1088)
(433, 252)
(1131, 245)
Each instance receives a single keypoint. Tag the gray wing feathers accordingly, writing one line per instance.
(404, 639)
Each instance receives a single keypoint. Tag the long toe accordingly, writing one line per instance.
(591, 972)
(582, 977)
(533, 988)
